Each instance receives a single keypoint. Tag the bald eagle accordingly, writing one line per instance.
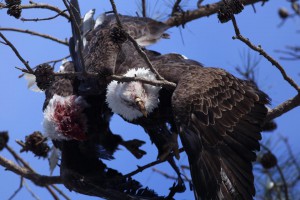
(218, 117)
(76, 126)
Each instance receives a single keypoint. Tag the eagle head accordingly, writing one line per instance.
(133, 99)
(64, 118)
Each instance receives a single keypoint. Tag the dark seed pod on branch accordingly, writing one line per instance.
(13, 2)
(36, 143)
(118, 35)
(283, 13)
(228, 9)
(14, 8)
(225, 13)
(237, 6)
(269, 126)
(268, 160)
(3, 139)
(44, 76)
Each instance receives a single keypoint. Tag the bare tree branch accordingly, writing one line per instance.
(168, 176)
(43, 19)
(16, 52)
(60, 192)
(32, 175)
(144, 13)
(45, 6)
(31, 192)
(203, 11)
(175, 7)
(57, 60)
(36, 34)
(29, 174)
(163, 83)
(264, 54)
(142, 168)
(284, 107)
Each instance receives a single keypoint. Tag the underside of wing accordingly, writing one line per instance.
(220, 119)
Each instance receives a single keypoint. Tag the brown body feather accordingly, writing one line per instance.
(219, 118)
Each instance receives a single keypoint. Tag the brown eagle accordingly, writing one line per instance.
(218, 117)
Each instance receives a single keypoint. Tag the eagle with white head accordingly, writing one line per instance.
(218, 117)
(133, 99)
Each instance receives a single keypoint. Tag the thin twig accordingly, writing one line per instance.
(291, 154)
(60, 192)
(144, 13)
(17, 157)
(43, 19)
(57, 60)
(29, 174)
(52, 192)
(202, 11)
(16, 52)
(30, 191)
(45, 6)
(135, 44)
(18, 189)
(36, 34)
(264, 54)
(47, 62)
(283, 107)
(168, 176)
(294, 55)
(162, 83)
(175, 7)
(142, 168)
(286, 193)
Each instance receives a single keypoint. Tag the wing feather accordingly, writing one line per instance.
(220, 120)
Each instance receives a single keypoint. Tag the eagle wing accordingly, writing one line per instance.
(219, 118)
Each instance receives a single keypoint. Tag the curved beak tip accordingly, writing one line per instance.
(141, 106)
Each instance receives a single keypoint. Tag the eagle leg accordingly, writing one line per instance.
(170, 146)
(178, 187)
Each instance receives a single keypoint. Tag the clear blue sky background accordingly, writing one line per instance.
(205, 40)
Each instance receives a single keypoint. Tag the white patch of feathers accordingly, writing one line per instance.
(99, 20)
(62, 67)
(49, 125)
(31, 82)
(119, 93)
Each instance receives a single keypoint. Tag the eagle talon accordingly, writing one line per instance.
(134, 147)
(168, 149)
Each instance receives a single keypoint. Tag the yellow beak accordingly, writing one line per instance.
(141, 106)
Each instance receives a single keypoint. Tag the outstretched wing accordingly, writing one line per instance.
(219, 118)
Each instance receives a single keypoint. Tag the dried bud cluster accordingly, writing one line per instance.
(228, 9)
(36, 143)
(269, 126)
(44, 76)
(3, 139)
(118, 35)
(283, 13)
(14, 8)
(268, 160)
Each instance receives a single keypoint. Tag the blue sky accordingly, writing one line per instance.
(205, 40)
